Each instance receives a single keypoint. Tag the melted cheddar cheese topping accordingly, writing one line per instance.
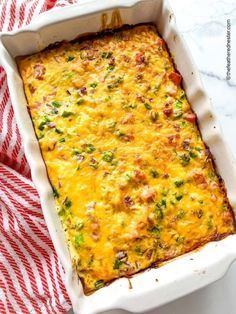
(133, 182)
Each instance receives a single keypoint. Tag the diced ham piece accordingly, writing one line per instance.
(139, 175)
(129, 118)
(140, 58)
(168, 111)
(173, 139)
(138, 160)
(175, 78)
(141, 225)
(171, 89)
(200, 180)
(95, 236)
(128, 137)
(177, 127)
(140, 98)
(190, 117)
(147, 194)
(39, 71)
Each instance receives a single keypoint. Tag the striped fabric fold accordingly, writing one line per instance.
(31, 276)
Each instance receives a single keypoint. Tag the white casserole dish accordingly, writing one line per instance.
(178, 277)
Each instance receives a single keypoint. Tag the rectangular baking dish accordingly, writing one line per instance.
(153, 287)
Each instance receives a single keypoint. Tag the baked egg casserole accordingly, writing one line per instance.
(133, 181)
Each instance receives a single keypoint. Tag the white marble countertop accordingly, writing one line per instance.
(203, 23)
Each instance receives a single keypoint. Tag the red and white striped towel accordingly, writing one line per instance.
(31, 276)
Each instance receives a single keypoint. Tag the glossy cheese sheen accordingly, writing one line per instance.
(134, 183)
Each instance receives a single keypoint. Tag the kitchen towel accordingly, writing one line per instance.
(31, 276)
